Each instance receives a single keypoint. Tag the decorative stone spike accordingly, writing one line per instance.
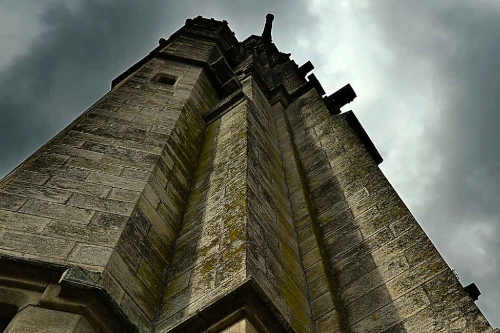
(266, 34)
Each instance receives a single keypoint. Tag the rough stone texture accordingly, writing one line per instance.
(381, 264)
(273, 253)
(170, 197)
(144, 250)
(109, 192)
(318, 288)
(209, 256)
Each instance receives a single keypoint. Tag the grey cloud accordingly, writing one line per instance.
(461, 211)
(69, 65)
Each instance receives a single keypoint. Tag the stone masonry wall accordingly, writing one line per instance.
(273, 252)
(169, 207)
(385, 273)
(238, 223)
(145, 249)
(108, 193)
(319, 290)
(209, 256)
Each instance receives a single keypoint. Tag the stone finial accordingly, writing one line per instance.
(266, 34)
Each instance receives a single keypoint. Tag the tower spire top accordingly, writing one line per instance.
(266, 34)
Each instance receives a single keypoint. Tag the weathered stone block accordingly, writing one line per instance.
(119, 182)
(78, 186)
(99, 204)
(46, 161)
(77, 232)
(64, 171)
(91, 165)
(133, 287)
(322, 305)
(90, 255)
(387, 316)
(37, 192)
(31, 177)
(22, 222)
(11, 202)
(124, 195)
(57, 211)
(34, 244)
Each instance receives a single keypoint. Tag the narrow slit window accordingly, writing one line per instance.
(166, 79)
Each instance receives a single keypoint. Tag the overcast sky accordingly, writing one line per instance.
(426, 73)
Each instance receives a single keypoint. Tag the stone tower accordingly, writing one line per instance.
(216, 189)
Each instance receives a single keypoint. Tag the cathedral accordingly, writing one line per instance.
(218, 188)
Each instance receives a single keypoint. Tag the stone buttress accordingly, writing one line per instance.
(215, 189)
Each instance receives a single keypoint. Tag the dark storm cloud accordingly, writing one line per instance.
(462, 205)
(69, 65)
(84, 45)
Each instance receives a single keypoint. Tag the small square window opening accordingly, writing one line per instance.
(165, 79)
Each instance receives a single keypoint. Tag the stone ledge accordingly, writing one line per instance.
(249, 301)
(226, 104)
(64, 288)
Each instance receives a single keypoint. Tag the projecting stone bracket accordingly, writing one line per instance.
(340, 98)
(52, 289)
(305, 68)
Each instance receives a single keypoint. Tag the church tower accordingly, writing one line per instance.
(218, 188)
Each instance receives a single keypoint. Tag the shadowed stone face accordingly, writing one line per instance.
(7, 312)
